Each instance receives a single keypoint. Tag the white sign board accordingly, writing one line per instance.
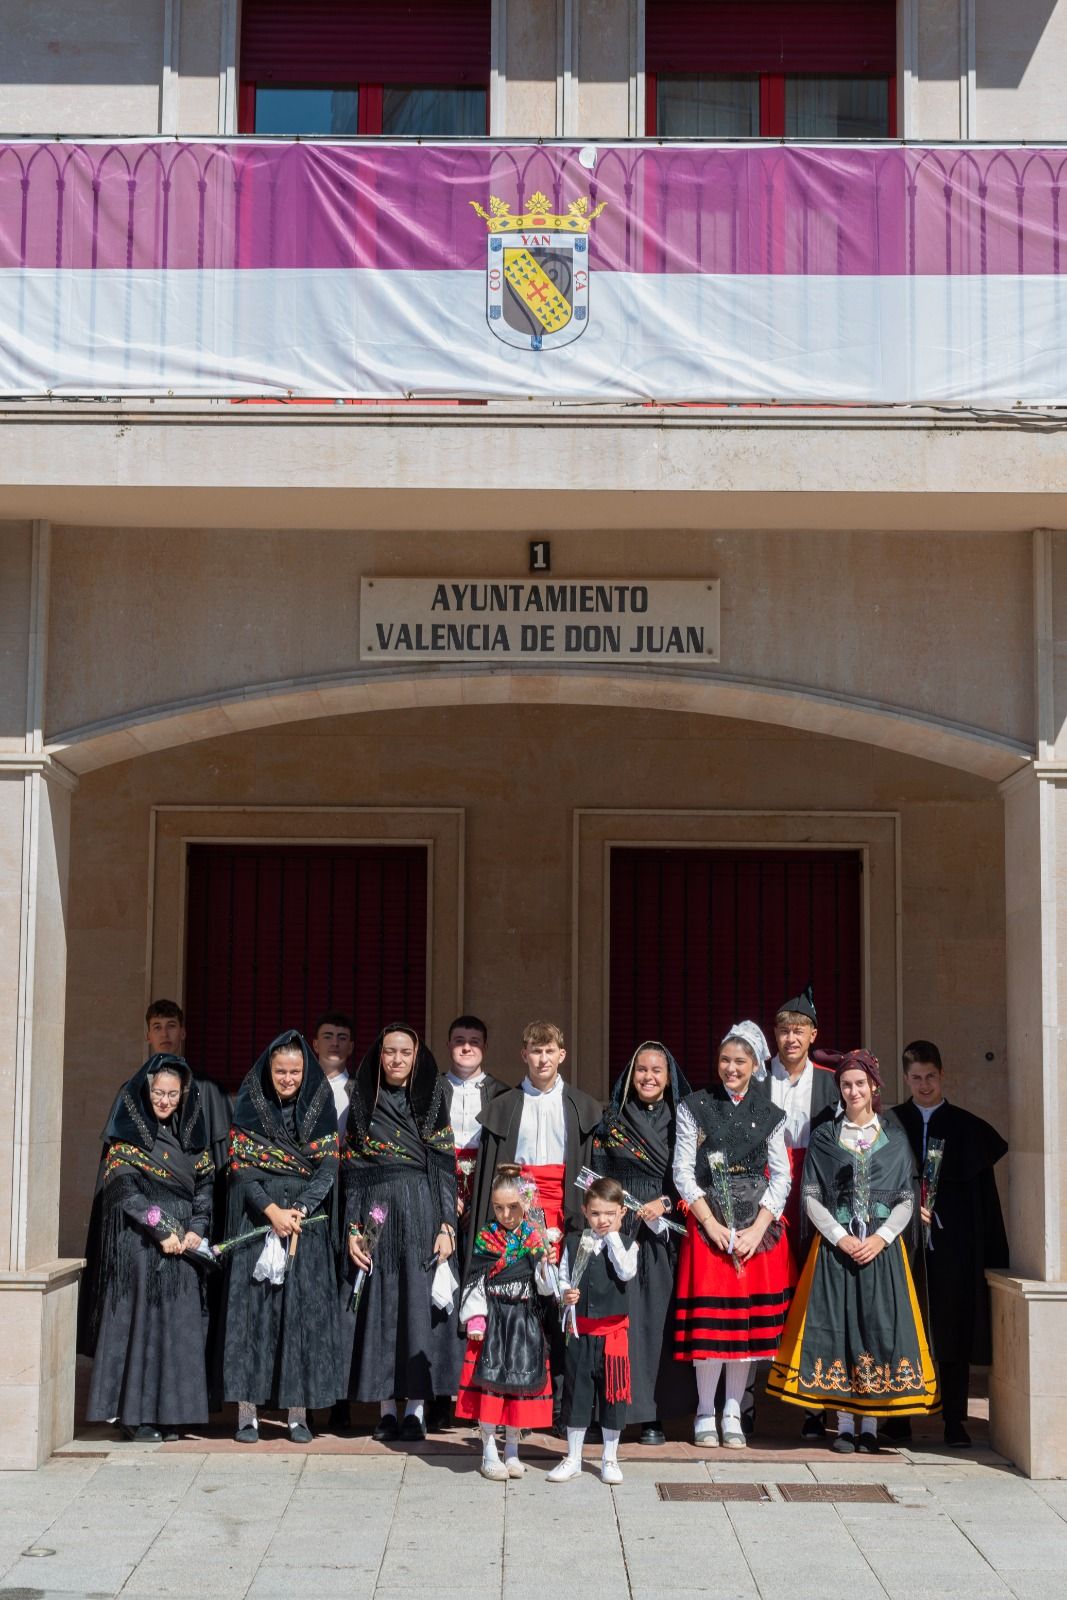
(659, 621)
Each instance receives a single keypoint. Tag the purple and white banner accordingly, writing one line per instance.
(610, 273)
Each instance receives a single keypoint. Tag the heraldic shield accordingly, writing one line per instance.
(537, 272)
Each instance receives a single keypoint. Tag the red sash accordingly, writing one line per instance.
(615, 1332)
(549, 1181)
(465, 1180)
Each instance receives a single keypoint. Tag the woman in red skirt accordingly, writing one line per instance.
(505, 1377)
(735, 1271)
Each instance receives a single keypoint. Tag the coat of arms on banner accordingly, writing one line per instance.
(537, 279)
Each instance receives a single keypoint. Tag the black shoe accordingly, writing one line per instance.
(170, 1437)
(247, 1435)
(439, 1415)
(300, 1433)
(411, 1429)
(814, 1425)
(868, 1443)
(386, 1427)
(594, 1434)
(340, 1418)
(145, 1434)
(956, 1434)
(844, 1444)
(748, 1422)
(897, 1430)
(652, 1433)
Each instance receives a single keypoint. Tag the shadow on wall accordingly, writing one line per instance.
(1008, 39)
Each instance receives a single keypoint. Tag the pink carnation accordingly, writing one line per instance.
(379, 1214)
(152, 1216)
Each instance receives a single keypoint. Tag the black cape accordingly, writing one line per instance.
(399, 1154)
(635, 1145)
(280, 1342)
(142, 1314)
(490, 1088)
(969, 1233)
(500, 1133)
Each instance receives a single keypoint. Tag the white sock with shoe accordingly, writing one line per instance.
(707, 1376)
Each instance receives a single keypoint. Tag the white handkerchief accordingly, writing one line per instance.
(270, 1268)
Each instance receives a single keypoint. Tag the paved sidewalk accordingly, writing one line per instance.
(151, 1523)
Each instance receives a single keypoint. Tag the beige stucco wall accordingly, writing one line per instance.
(78, 68)
(520, 773)
(936, 625)
(1019, 69)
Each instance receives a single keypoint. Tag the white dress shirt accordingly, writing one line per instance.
(339, 1085)
(850, 1135)
(779, 1180)
(542, 1140)
(926, 1112)
(466, 1105)
(623, 1257)
(795, 1101)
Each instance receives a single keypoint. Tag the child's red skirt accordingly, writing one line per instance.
(507, 1410)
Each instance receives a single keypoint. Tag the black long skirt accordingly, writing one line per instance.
(660, 1386)
(149, 1367)
(280, 1342)
(397, 1346)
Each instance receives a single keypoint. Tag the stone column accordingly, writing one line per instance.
(1028, 1383)
(38, 1292)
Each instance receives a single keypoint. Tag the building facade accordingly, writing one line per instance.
(213, 790)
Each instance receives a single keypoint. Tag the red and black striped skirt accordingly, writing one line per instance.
(724, 1315)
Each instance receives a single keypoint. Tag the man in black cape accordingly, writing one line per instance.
(469, 1092)
(966, 1230)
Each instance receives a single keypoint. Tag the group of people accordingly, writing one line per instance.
(395, 1235)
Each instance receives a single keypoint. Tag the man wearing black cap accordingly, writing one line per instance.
(807, 1093)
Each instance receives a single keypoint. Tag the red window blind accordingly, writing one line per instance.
(701, 939)
(277, 934)
(774, 36)
(365, 41)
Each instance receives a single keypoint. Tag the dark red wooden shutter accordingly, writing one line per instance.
(783, 36)
(701, 939)
(365, 41)
(277, 934)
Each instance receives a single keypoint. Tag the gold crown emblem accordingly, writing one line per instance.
(501, 219)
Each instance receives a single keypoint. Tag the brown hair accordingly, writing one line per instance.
(506, 1176)
(794, 1017)
(609, 1189)
(165, 1008)
(541, 1033)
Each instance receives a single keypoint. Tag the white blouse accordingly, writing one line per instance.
(849, 1136)
(775, 1195)
(466, 1106)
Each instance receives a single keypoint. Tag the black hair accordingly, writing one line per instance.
(609, 1189)
(334, 1019)
(469, 1021)
(165, 1008)
(922, 1051)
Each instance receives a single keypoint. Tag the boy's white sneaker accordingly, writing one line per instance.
(610, 1472)
(567, 1469)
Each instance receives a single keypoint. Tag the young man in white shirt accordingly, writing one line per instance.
(332, 1043)
(469, 1090)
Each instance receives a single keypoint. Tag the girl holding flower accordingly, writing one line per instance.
(854, 1339)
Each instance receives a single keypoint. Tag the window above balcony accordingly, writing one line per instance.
(748, 69)
(343, 67)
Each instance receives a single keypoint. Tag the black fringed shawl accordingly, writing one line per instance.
(165, 1164)
(392, 1132)
(297, 1143)
(830, 1175)
(634, 1143)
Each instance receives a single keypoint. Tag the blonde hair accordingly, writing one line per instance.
(794, 1017)
(541, 1033)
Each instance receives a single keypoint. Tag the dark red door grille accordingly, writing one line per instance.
(277, 934)
(701, 939)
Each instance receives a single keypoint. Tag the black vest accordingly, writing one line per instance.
(601, 1292)
(739, 1131)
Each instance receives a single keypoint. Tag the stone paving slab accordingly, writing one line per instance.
(137, 1521)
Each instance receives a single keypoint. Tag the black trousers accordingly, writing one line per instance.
(583, 1386)
(955, 1380)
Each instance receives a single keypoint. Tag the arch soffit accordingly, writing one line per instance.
(154, 729)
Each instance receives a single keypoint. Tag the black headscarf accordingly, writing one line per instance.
(425, 1091)
(133, 1121)
(637, 1138)
(258, 1111)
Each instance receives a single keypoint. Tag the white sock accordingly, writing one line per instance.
(707, 1376)
(415, 1408)
(246, 1415)
(388, 1408)
(735, 1384)
(870, 1425)
(489, 1450)
(511, 1444)
(298, 1416)
(575, 1440)
(611, 1443)
(846, 1422)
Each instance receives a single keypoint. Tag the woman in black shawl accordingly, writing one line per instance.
(280, 1344)
(634, 1143)
(854, 1339)
(145, 1311)
(399, 1159)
